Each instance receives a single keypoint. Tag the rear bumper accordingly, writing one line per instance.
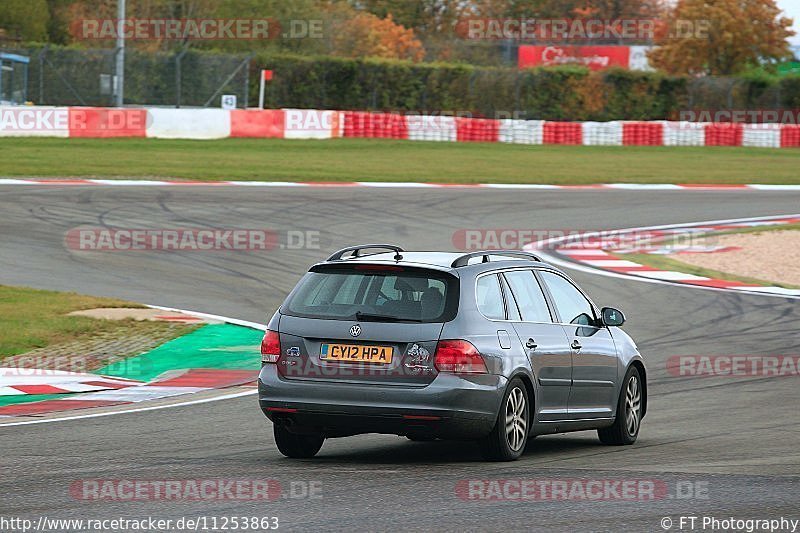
(453, 407)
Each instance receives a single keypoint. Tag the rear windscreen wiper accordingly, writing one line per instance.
(373, 317)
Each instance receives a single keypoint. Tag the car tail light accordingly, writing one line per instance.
(270, 347)
(459, 357)
(392, 268)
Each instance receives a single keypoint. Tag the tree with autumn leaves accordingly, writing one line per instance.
(696, 37)
(367, 35)
(721, 37)
(726, 37)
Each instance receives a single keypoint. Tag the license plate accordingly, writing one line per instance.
(358, 353)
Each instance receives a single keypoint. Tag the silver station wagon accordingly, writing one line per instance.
(491, 346)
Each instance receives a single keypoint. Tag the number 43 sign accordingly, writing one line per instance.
(228, 101)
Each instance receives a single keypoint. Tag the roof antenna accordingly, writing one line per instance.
(397, 256)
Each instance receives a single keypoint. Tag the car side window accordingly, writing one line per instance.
(528, 295)
(572, 305)
(490, 298)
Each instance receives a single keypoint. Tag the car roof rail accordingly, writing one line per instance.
(356, 251)
(464, 259)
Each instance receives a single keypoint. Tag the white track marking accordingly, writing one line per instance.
(671, 275)
(266, 183)
(394, 184)
(767, 187)
(773, 290)
(136, 394)
(135, 410)
(611, 263)
(407, 185)
(129, 183)
(520, 186)
(9, 181)
(646, 186)
(198, 314)
(582, 251)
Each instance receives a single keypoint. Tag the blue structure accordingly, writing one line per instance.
(13, 79)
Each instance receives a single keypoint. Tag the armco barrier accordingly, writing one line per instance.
(521, 131)
(39, 121)
(684, 133)
(477, 129)
(258, 123)
(642, 133)
(790, 136)
(602, 133)
(723, 134)
(562, 133)
(103, 122)
(374, 125)
(762, 135)
(168, 123)
(431, 128)
(189, 123)
(311, 124)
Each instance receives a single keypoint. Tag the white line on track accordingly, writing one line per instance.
(198, 314)
(127, 411)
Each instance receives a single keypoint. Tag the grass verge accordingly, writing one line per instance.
(31, 318)
(390, 160)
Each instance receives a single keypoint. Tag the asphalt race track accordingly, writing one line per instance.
(734, 440)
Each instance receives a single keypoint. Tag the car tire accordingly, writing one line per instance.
(629, 412)
(508, 438)
(297, 446)
(419, 437)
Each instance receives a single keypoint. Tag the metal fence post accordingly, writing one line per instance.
(179, 77)
(120, 68)
(247, 85)
(41, 75)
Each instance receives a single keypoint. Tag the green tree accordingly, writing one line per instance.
(59, 20)
(26, 18)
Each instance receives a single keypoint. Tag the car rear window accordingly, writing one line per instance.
(368, 292)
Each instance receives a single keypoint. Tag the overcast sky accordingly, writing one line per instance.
(792, 9)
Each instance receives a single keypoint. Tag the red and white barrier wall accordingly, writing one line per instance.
(168, 123)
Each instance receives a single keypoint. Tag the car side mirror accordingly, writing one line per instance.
(611, 316)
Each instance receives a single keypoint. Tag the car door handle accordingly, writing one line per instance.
(576, 345)
(531, 344)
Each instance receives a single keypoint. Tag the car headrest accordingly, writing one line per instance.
(411, 284)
